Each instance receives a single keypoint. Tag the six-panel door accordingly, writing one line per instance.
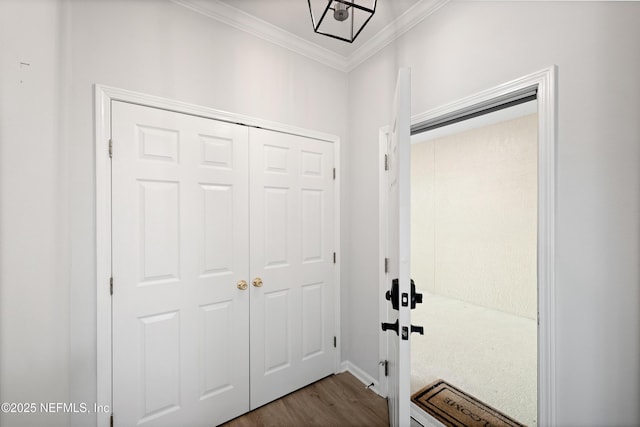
(292, 313)
(180, 246)
(183, 353)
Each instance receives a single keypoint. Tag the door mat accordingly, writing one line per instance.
(455, 408)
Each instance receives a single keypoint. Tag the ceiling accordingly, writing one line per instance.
(288, 24)
(293, 16)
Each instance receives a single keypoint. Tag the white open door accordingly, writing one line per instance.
(398, 323)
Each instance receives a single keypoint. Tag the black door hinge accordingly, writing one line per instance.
(335, 342)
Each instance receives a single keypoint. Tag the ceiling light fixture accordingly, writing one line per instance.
(349, 17)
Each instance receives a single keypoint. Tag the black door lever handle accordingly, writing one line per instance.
(391, 326)
(418, 329)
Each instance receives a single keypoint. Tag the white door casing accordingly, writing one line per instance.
(180, 245)
(292, 312)
(398, 238)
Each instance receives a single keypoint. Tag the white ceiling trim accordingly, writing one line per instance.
(243, 21)
(413, 16)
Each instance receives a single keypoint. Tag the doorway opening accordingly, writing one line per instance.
(541, 86)
(474, 241)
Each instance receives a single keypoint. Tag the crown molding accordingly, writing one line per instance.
(243, 21)
(413, 16)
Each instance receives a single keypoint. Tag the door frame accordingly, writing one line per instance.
(103, 97)
(544, 81)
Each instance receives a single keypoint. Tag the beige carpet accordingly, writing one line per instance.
(489, 354)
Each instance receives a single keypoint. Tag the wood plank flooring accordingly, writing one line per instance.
(338, 400)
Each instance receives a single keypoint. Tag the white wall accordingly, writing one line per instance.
(47, 250)
(34, 243)
(467, 47)
(474, 215)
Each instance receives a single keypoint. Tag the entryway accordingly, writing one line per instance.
(223, 287)
(541, 87)
(474, 258)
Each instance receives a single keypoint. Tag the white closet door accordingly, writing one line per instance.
(180, 246)
(292, 313)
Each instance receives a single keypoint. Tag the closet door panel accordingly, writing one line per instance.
(292, 313)
(180, 245)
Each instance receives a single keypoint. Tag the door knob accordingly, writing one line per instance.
(257, 282)
(242, 285)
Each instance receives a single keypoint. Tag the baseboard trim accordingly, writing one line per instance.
(423, 418)
(366, 379)
(416, 413)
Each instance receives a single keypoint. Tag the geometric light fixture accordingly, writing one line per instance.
(341, 19)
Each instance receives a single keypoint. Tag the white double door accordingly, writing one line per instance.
(198, 208)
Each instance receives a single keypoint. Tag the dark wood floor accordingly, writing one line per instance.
(338, 400)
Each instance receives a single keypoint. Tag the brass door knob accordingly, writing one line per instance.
(242, 285)
(257, 282)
